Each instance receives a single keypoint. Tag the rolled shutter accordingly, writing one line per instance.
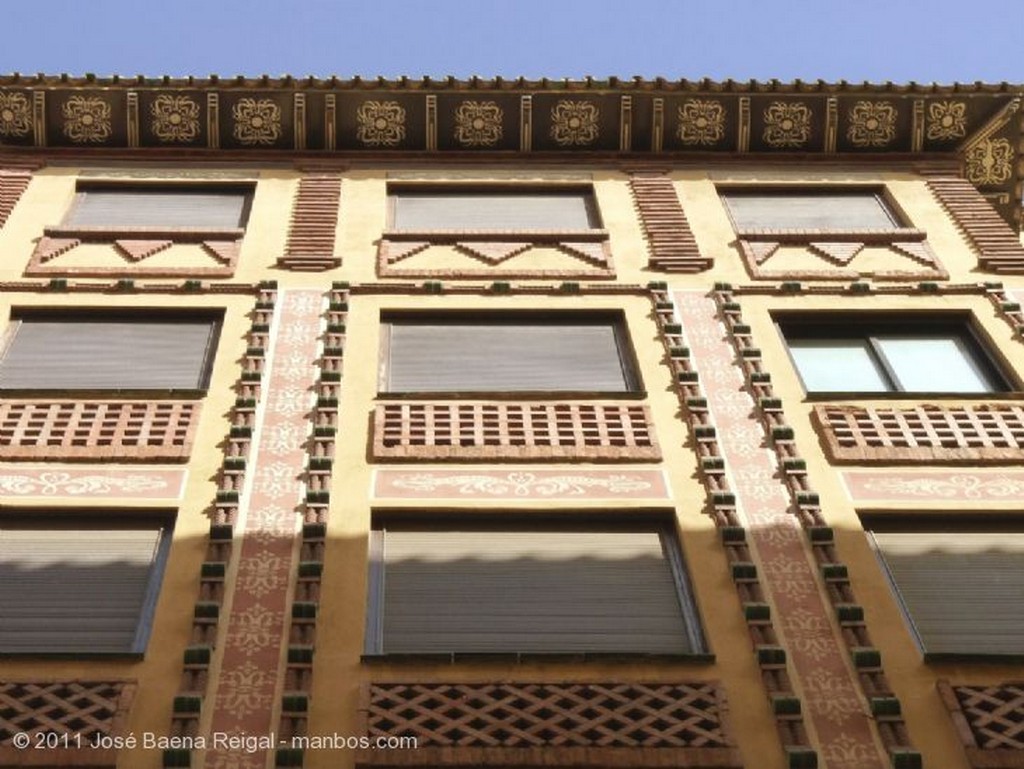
(75, 590)
(492, 211)
(199, 209)
(787, 211)
(530, 591)
(95, 353)
(963, 591)
(512, 357)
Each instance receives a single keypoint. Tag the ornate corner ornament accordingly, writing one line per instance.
(175, 118)
(86, 119)
(257, 121)
(478, 123)
(380, 123)
(15, 114)
(947, 120)
(990, 162)
(872, 124)
(787, 124)
(574, 122)
(701, 122)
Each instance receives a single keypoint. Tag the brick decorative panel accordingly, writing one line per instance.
(310, 244)
(930, 486)
(491, 254)
(513, 431)
(672, 245)
(12, 185)
(26, 481)
(600, 724)
(992, 433)
(79, 710)
(97, 430)
(989, 721)
(836, 252)
(999, 249)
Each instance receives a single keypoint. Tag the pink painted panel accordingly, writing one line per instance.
(927, 487)
(517, 484)
(28, 481)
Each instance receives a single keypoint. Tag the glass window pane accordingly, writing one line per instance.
(940, 363)
(837, 365)
(793, 210)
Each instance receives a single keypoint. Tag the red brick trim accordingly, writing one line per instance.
(562, 725)
(310, 246)
(998, 246)
(489, 431)
(76, 710)
(930, 433)
(989, 721)
(97, 430)
(672, 245)
(13, 184)
(492, 248)
(135, 244)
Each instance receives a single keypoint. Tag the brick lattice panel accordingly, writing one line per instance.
(12, 185)
(544, 715)
(999, 248)
(995, 714)
(515, 431)
(97, 430)
(74, 707)
(990, 433)
(672, 245)
(310, 245)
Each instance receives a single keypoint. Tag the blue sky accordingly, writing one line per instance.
(876, 40)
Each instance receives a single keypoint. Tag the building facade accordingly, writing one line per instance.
(503, 423)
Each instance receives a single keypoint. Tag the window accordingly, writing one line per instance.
(73, 585)
(962, 588)
(179, 206)
(530, 590)
(492, 208)
(108, 351)
(809, 209)
(508, 352)
(858, 354)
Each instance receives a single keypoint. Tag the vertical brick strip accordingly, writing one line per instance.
(310, 245)
(836, 711)
(251, 672)
(672, 245)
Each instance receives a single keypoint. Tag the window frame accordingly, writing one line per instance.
(627, 358)
(83, 187)
(516, 521)
(469, 189)
(99, 519)
(867, 326)
(935, 523)
(214, 317)
(880, 192)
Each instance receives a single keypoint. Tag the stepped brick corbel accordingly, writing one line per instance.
(13, 183)
(805, 505)
(672, 245)
(998, 246)
(721, 503)
(310, 246)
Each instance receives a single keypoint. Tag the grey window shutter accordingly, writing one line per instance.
(199, 209)
(530, 591)
(97, 353)
(963, 591)
(76, 590)
(513, 357)
(793, 210)
(492, 211)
